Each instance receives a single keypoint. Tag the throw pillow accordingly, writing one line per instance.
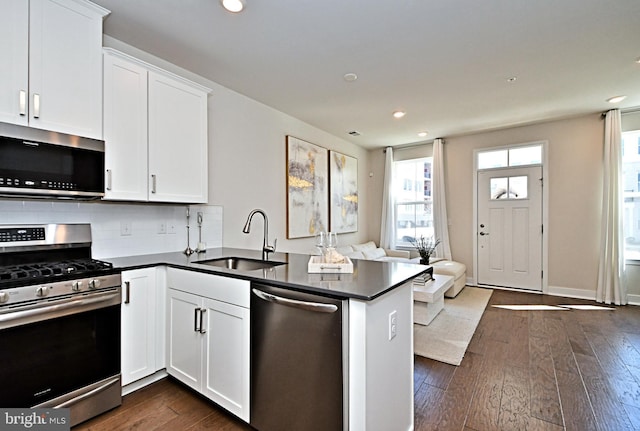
(376, 253)
(366, 246)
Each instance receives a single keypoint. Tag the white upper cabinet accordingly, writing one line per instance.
(52, 65)
(125, 129)
(14, 56)
(177, 140)
(155, 131)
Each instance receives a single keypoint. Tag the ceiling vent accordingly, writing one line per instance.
(354, 133)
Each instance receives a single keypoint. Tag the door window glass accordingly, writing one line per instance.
(493, 159)
(525, 155)
(516, 156)
(509, 188)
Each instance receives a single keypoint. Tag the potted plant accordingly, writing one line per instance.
(426, 247)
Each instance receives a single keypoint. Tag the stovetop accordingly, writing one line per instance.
(45, 272)
(47, 253)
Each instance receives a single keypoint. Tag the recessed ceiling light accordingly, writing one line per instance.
(350, 77)
(638, 60)
(234, 6)
(422, 134)
(399, 114)
(616, 99)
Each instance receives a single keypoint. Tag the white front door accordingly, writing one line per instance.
(509, 227)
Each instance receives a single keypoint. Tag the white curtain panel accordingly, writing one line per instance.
(440, 220)
(611, 289)
(387, 236)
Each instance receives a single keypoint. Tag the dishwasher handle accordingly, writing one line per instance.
(294, 303)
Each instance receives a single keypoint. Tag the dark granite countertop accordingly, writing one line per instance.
(369, 280)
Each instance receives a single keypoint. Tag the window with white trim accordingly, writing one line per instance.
(413, 204)
(631, 193)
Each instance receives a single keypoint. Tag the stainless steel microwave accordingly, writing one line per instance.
(41, 164)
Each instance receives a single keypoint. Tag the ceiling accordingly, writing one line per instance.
(447, 63)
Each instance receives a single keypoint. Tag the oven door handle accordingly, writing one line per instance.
(15, 317)
(86, 395)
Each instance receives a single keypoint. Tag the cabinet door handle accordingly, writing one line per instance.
(109, 174)
(202, 311)
(23, 103)
(304, 305)
(195, 319)
(36, 105)
(127, 292)
(153, 183)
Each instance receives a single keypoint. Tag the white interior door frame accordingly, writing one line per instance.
(545, 208)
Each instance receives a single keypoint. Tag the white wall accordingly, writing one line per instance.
(575, 196)
(247, 162)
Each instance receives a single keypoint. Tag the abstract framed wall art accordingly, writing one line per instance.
(307, 188)
(343, 192)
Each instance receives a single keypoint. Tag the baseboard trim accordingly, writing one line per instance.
(571, 292)
(633, 299)
(145, 381)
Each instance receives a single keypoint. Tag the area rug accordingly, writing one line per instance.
(447, 337)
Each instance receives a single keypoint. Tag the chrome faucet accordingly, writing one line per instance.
(266, 248)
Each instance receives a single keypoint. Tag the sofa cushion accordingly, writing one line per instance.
(376, 253)
(354, 255)
(345, 250)
(366, 246)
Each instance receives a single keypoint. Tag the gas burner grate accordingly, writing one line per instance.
(46, 271)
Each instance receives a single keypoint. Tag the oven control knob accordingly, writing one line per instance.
(42, 291)
(94, 284)
(76, 286)
(4, 297)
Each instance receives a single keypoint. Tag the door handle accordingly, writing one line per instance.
(109, 178)
(127, 292)
(23, 103)
(195, 320)
(202, 311)
(36, 105)
(483, 233)
(153, 183)
(304, 305)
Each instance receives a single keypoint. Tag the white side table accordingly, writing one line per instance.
(428, 300)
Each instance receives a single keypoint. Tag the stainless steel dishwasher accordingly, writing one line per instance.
(296, 361)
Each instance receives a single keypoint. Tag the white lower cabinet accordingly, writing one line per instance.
(142, 324)
(208, 336)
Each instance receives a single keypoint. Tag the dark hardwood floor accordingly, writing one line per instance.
(524, 370)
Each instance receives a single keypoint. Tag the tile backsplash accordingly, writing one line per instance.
(123, 229)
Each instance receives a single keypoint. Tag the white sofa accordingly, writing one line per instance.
(370, 251)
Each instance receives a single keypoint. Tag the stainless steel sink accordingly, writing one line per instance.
(240, 263)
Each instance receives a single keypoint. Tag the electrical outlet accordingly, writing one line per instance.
(171, 228)
(125, 228)
(162, 228)
(393, 324)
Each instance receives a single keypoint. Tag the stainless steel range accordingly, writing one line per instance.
(59, 321)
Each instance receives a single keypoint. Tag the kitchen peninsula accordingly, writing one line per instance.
(376, 335)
